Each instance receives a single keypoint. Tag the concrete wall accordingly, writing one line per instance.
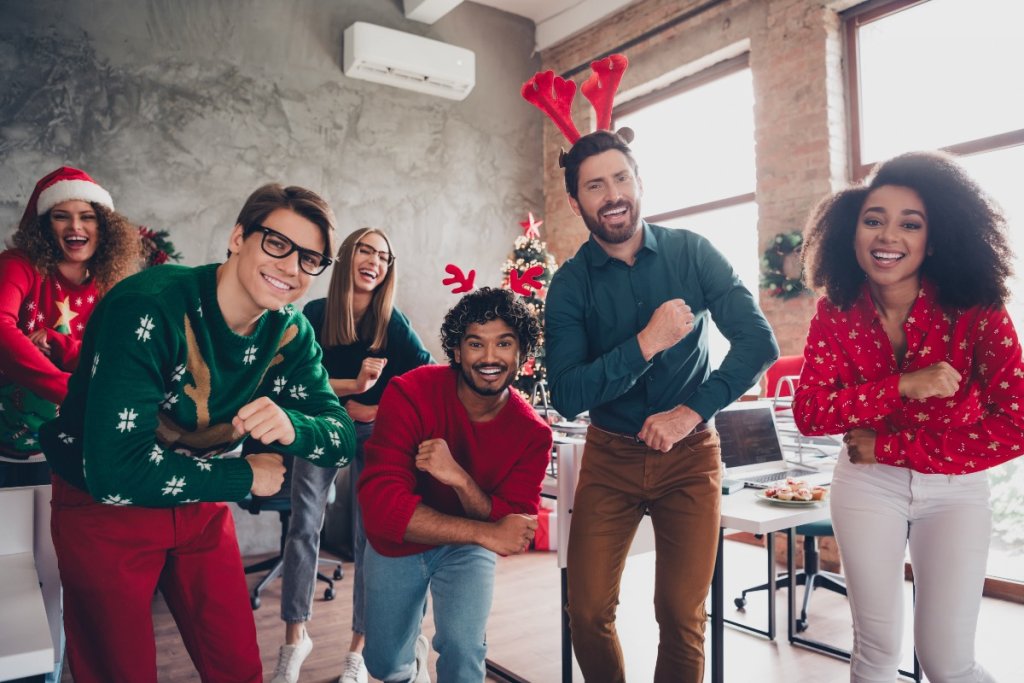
(799, 110)
(182, 108)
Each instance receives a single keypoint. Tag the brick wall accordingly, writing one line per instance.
(795, 60)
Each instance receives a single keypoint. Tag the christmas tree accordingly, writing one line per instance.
(529, 252)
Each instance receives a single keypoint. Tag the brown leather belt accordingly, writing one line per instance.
(701, 427)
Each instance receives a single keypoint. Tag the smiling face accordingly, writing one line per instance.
(369, 269)
(488, 357)
(608, 197)
(75, 227)
(891, 241)
(262, 281)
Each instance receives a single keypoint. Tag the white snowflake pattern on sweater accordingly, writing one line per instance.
(127, 417)
(174, 486)
(145, 327)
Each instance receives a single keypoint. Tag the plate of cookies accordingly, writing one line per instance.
(794, 493)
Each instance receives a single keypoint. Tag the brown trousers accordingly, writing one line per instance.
(619, 481)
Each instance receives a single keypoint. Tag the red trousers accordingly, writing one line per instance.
(111, 561)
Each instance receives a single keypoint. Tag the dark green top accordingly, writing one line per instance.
(404, 352)
(596, 305)
(160, 378)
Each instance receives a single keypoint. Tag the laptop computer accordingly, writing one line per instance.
(751, 450)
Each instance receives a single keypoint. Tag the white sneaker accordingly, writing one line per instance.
(290, 659)
(422, 650)
(355, 669)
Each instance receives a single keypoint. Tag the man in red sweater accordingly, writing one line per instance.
(452, 479)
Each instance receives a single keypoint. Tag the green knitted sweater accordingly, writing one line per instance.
(160, 378)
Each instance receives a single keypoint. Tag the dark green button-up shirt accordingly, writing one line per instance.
(596, 305)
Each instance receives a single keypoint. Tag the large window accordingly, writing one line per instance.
(695, 149)
(945, 74)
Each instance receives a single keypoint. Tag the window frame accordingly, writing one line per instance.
(853, 19)
(703, 77)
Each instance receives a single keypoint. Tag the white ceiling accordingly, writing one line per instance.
(556, 20)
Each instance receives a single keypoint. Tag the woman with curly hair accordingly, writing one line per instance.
(69, 249)
(913, 358)
(366, 341)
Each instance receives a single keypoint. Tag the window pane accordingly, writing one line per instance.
(733, 231)
(1000, 173)
(939, 73)
(697, 146)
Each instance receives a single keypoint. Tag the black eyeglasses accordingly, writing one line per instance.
(366, 250)
(277, 245)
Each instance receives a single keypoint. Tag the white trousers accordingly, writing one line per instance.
(947, 520)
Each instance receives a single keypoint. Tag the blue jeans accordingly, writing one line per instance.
(310, 486)
(461, 582)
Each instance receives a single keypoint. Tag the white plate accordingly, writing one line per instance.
(790, 503)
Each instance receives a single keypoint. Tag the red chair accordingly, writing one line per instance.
(782, 378)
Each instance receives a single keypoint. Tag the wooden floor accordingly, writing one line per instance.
(524, 633)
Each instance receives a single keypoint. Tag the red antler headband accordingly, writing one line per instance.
(553, 94)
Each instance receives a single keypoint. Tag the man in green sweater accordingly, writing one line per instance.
(178, 366)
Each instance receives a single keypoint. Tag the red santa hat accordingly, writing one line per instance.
(62, 185)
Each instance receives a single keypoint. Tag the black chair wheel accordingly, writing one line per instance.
(255, 602)
(329, 594)
(338, 573)
(801, 625)
(740, 603)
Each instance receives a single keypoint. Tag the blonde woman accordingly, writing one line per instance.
(366, 341)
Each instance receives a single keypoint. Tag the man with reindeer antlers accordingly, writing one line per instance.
(452, 478)
(627, 329)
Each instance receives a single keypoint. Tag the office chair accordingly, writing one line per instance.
(783, 377)
(811, 576)
(281, 503)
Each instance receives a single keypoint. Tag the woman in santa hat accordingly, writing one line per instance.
(69, 249)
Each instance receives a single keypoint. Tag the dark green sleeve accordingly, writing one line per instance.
(578, 382)
(405, 348)
(123, 463)
(752, 345)
(324, 433)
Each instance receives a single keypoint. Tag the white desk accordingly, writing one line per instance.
(744, 512)
(27, 572)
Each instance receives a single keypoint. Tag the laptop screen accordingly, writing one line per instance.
(748, 434)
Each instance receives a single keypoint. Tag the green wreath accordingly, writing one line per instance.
(774, 278)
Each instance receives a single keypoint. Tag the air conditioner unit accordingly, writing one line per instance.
(384, 55)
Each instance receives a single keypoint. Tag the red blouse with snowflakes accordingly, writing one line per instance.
(30, 301)
(850, 380)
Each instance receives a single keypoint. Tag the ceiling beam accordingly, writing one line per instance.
(573, 20)
(429, 11)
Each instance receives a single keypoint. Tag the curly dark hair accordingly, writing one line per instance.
(969, 256)
(595, 143)
(118, 252)
(484, 305)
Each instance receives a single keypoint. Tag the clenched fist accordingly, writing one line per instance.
(935, 381)
(511, 534)
(671, 321)
(369, 373)
(264, 421)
